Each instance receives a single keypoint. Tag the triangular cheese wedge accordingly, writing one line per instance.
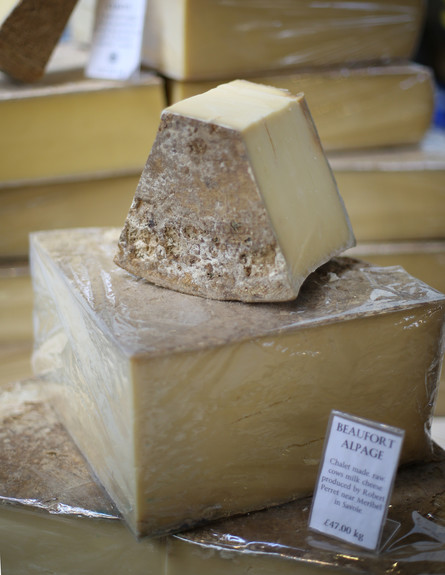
(237, 200)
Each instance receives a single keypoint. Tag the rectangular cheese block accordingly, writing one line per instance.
(211, 39)
(201, 409)
(237, 200)
(424, 260)
(356, 107)
(61, 203)
(54, 517)
(70, 126)
(29, 32)
(394, 194)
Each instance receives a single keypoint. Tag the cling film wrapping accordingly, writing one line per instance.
(203, 409)
(56, 519)
(213, 39)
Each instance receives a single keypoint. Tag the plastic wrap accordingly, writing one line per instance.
(359, 107)
(210, 39)
(56, 519)
(234, 396)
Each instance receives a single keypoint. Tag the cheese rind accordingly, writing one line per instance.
(237, 200)
(176, 389)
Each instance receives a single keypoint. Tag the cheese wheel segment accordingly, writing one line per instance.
(237, 200)
(201, 409)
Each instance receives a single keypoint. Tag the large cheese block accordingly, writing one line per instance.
(54, 518)
(29, 32)
(200, 409)
(366, 107)
(397, 193)
(208, 39)
(237, 200)
(69, 126)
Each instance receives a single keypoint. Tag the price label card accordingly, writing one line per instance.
(355, 480)
(117, 39)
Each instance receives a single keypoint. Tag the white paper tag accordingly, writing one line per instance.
(117, 39)
(355, 479)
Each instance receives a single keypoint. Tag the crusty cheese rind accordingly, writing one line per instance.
(237, 200)
(218, 242)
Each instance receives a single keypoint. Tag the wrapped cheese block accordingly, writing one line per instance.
(237, 200)
(208, 39)
(54, 517)
(201, 409)
(367, 107)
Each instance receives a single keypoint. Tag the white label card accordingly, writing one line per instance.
(117, 39)
(355, 480)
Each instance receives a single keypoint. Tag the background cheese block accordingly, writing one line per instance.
(208, 39)
(366, 107)
(70, 126)
(201, 409)
(237, 200)
(29, 32)
(59, 204)
(54, 518)
(396, 193)
(277, 541)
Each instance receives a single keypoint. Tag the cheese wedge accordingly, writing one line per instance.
(211, 39)
(201, 409)
(237, 200)
(54, 517)
(29, 32)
